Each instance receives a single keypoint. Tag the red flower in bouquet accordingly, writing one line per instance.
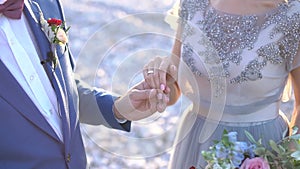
(255, 163)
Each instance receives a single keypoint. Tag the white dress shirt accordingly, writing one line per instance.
(19, 55)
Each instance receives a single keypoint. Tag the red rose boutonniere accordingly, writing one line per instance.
(60, 36)
(56, 34)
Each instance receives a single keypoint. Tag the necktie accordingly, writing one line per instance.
(12, 8)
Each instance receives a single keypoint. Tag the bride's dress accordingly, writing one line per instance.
(234, 69)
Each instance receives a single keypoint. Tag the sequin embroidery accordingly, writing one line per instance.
(231, 34)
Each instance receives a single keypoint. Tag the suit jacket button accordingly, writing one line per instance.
(68, 158)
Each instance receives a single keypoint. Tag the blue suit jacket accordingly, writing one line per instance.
(27, 140)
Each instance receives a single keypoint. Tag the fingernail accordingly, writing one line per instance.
(167, 90)
(160, 107)
(167, 99)
(159, 96)
(173, 67)
(162, 87)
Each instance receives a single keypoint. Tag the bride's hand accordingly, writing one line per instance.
(159, 73)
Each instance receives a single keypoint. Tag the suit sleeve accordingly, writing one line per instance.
(95, 107)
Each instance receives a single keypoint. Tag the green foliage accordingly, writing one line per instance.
(283, 155)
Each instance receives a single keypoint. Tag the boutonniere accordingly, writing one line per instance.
(56, 34)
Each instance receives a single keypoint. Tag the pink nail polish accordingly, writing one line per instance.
(162, 87)
(167, 99)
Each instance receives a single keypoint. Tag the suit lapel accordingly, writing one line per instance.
(56, 76)
(31, 12)
(13, 94)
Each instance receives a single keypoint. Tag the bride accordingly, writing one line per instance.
(234, 60)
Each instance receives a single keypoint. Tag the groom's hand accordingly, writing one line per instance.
(140, 102)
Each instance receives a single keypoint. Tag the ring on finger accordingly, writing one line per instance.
(150, 72)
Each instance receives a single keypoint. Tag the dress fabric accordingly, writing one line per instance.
(239, 67)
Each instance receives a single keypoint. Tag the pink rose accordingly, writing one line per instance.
(255, 163)
(61, 36)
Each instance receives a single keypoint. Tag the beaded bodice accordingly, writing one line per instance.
(232, 35)
(253, 53)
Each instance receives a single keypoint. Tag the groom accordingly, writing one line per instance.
(41, 102)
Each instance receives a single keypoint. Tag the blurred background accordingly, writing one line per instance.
(112, 40)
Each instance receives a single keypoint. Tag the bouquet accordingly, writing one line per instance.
(229, 153)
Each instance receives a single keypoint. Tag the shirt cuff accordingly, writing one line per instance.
(121, 121)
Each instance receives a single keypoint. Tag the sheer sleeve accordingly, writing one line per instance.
(173, 15)
(296, 60)
(294, 33)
